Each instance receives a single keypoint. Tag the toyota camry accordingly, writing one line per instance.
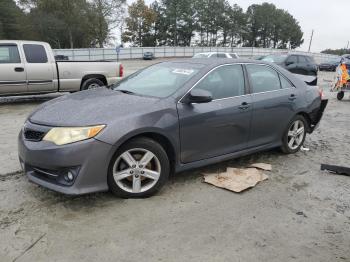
(170, 117)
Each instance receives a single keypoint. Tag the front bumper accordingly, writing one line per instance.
(46, 164)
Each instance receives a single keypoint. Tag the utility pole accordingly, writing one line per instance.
(347, 47)
(312, 36)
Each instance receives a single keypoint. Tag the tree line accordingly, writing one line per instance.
(210, 23)
(339, 52)
(62, 23)
(91, 23)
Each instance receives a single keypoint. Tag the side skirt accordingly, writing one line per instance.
(206, 162)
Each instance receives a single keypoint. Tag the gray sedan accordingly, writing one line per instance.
(169, 117)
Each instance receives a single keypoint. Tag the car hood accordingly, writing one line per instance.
(91, 107)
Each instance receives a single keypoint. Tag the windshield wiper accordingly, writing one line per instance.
(125, 91)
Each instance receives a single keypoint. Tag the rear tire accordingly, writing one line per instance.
(294, 136)
(340, 95)
(92, 83)
(139, 169)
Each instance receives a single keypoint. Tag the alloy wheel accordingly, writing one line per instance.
(296, 134)
(136, 170)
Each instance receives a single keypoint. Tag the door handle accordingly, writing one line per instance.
(244, 106)
(19, 69)
(292, 97)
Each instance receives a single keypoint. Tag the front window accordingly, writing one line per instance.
(224, 82)
(160, 80)
(9, 54)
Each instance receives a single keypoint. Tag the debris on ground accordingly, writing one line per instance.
(301, 213)
(306, 149)
(236, 179)
(339, 170)
(262, 166)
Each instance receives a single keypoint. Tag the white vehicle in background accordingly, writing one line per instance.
(29, 67)
(216, 55)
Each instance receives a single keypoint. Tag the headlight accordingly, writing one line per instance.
(67, 135)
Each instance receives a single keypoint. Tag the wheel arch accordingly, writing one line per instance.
(307, 118)
(158, 137)
(94, 76)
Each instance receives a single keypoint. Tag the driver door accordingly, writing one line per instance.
(221, 126)
(13, 75)
(292, 64)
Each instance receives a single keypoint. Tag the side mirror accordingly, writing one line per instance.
(198, 96)
(289, 63)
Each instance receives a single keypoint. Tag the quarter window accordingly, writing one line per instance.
(285, 83)
(263, 78)
(9, 54)
(35, 53)
(224, 82)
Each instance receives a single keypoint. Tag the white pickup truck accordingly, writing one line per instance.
(28, 67)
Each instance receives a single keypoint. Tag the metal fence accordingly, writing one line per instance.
(91, 54)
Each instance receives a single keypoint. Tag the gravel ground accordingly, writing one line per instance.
(299, 214)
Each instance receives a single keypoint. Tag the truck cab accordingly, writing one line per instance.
(27, 67)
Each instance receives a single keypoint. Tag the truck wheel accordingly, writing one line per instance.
(92, 83)
(340, 95)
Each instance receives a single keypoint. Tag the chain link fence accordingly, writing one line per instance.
(92, 54)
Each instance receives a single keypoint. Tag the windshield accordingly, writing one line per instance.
(160, 80)
(274, 58)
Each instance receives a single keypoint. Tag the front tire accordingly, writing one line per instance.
(294, 136)
(139, 169)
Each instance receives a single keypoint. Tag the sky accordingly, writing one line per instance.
(328, 19)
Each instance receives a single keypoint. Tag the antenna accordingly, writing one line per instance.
(312, 36)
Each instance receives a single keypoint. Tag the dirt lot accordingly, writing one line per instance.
(299, 214)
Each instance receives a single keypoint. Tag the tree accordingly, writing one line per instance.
(140, 24)
(107, 15)
(12, 20)
(339, 52)
(74, 24)
(268, 26)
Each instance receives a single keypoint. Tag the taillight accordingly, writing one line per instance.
(121, 70)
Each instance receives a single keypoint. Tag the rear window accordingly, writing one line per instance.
(35, 53)
(9, 54)
(310, 59)
(160, 80)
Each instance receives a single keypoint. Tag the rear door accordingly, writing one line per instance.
(273, 100)
(221, 126)
(13, 77)
(40, 71)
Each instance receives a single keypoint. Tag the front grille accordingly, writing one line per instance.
(33, 135)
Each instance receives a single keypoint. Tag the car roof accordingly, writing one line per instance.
(209, 53)
(21, 42)
(218, 61)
